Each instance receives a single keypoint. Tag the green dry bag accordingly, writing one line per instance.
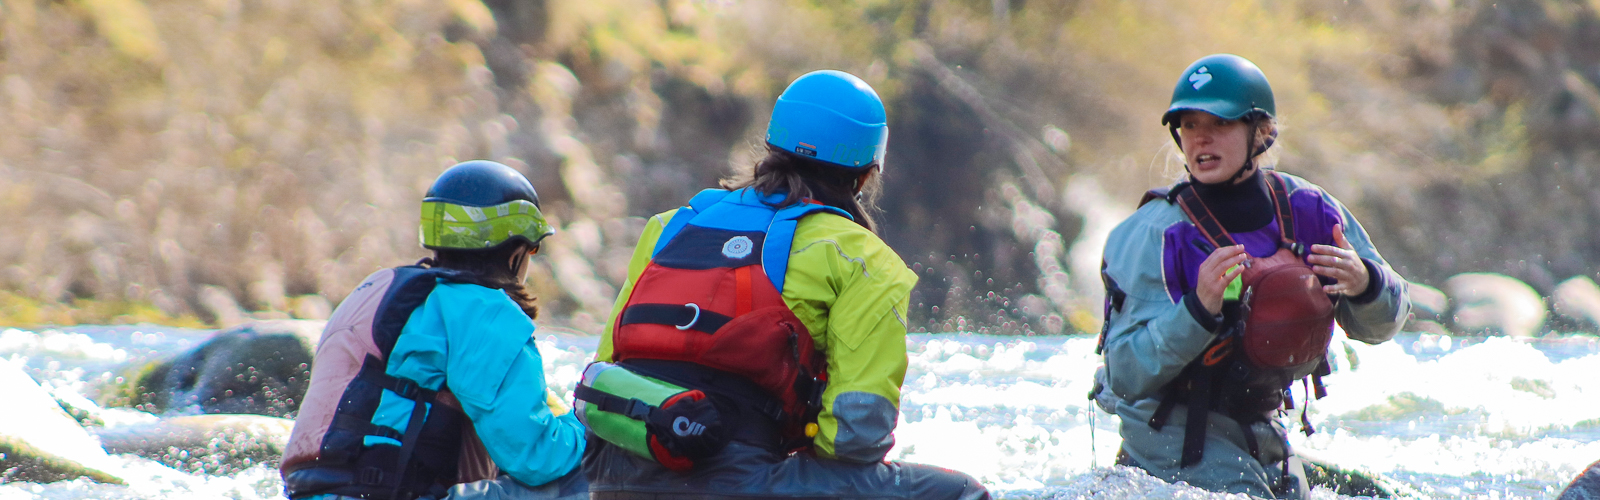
(654, 419)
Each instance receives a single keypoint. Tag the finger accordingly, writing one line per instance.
(1339, 239)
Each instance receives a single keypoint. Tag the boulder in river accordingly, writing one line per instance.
(1493, 304)
(1585, 487)
(1577, 300)
(261, 368)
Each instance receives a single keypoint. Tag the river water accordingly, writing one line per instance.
(1481, 418)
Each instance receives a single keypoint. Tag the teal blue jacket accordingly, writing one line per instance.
(476, 342)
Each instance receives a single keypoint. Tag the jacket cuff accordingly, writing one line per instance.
(1208, 321)
(1375, 284)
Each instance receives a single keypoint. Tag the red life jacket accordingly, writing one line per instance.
(712, 296)
(328, 450)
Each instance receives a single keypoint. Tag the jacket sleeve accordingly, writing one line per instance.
(496, 373)
(1378, 314)
(636, 265)
(852, 291)
(1150, 337)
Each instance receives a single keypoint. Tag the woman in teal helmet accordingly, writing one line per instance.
(761, 332)
(1222, 291)
(427, 382)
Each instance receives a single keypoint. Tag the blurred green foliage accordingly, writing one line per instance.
(276, 149)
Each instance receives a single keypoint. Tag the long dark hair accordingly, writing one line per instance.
(491, 267)
(798, 177)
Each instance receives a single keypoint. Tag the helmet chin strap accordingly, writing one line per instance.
(1249, 155)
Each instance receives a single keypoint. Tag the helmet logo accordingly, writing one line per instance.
(737, 247)
(806, 149)
(1200, 77)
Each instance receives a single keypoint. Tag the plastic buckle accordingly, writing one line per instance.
(693, 320)
(371, 476)
(406, 388)
(637, 410)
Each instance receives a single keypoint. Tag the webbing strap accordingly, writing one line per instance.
(1280, 200)
(611, 403)
(744, 296)
(1202, 218)
(363, 426)
(1250, 440)
(408, 444)
(681, 316)
(1199, 413)
(373, 372)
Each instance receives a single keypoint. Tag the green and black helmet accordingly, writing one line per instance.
(1225, 85)
(481, 204)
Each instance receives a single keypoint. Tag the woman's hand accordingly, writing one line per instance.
(1219, 269)
(1342, 264)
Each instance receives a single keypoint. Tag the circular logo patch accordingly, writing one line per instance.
(737, 247)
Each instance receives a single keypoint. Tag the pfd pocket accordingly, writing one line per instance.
(654, 419)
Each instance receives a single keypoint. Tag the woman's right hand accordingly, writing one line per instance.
(1219, 269)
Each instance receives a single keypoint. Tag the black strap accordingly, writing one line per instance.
(611, 403)
(1199, 413)
(408, 444)
(1169, 400)
(711, 381)
(1279, 191)
(363, 426)
(1250, 440)
(1202, 218)
(682, 316)
(372, 370)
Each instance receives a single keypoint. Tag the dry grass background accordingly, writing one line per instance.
(206, 161)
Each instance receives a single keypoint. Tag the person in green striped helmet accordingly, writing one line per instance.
(427, 382)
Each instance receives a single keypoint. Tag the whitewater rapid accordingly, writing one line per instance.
(1496, 418)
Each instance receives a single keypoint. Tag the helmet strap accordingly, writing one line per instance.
(1249, 154)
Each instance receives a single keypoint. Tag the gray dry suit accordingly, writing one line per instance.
(1159, 327)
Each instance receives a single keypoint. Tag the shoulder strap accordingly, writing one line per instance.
(780, 237)
(409, 289)
(1201, 216)
(681, 218)
(1280, 200)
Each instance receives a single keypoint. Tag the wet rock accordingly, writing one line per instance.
(261, 368)
(1355, 483)
(209, 444)
(1577, 300)
(1585, 487)
(1493, 304)
(1428, 303)
(40, 443)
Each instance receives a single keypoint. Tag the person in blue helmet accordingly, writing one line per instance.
(1222, 291)
(758, 346)
(427, 383)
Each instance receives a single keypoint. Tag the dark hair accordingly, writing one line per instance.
(798, 177)
(491, 267)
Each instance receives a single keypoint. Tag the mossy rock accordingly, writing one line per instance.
(261, 368)
(22, 462)
(1355, 483)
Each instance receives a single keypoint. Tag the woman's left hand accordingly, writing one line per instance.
(1340, 263)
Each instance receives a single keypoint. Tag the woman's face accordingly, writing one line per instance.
(1213, 146)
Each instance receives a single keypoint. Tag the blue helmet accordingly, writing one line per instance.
(831, 116)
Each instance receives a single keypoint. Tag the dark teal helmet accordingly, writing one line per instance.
(1225, 85)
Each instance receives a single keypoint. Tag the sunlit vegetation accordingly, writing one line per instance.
(274, 151)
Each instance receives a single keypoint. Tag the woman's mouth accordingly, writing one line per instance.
(1206, 160)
